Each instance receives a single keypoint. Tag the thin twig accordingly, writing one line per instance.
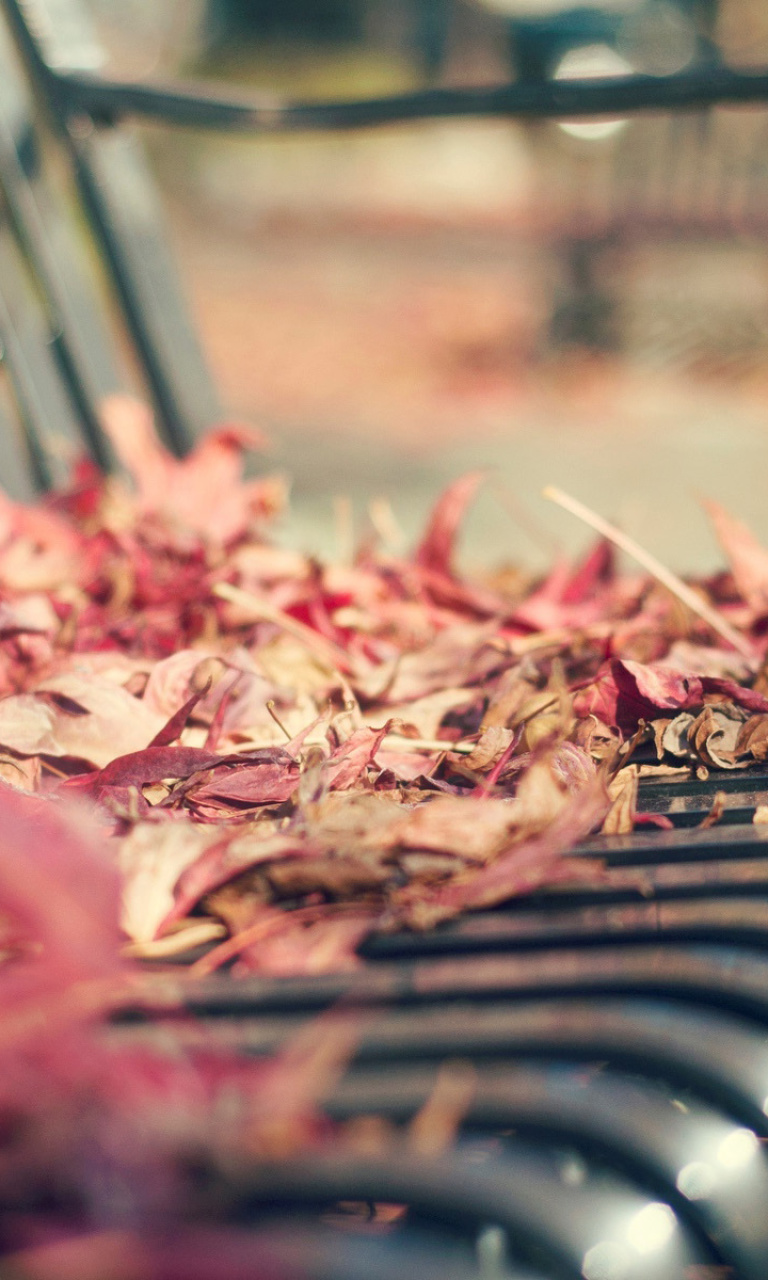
(278, 721)
(655, 568)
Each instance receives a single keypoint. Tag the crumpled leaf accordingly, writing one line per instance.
(571, 766)
(598, 739)
(202, 491)
(672, 736)
(753, 738)
(471, 830)
(353, 756)
(714, 735)
(466, 649)
(425, 714)
(225, 858)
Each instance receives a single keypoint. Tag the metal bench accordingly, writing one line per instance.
(619, 1034)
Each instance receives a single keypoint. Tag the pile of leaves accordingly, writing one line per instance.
(124, 1156)
(283, 756)
(213, 746)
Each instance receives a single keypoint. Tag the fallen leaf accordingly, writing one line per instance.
(747, 558)
(622, 791)
(714, 735)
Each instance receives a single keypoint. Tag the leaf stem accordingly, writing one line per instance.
(663, 575)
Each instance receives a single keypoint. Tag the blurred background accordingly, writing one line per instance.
(577, 304)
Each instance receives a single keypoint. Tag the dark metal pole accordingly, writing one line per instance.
(29, 233)
(197, 107)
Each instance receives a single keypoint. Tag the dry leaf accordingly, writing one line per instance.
(620, 818)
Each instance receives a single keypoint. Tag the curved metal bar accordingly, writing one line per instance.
(715, 976)
(636, 1125)
(719, 1057)
(193, 106)
(556, 1223)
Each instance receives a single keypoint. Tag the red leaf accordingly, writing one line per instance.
(646, 688)
(594, 572)
(249, 784)
(659, 820)
(436, 549)
(143, 767)
(735, 693)
(178, 722)
(217, 721)
(353, 756)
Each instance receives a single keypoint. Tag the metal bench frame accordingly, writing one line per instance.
(84, 109)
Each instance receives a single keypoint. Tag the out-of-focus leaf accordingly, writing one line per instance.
(747, 558)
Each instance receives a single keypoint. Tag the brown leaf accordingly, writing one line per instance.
(337, 877)
(236, 851)
(595, 737)
(425, 714)
(461, 655)
(714, 735)
(534, 861)
(620, 818)
(511, 693)
(716, 811)
(753, 738)
(490, 748)
(470, 829)
(672, 736)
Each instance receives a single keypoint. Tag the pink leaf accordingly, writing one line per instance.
(435, 552)
(353, 757)
(747, 558)
(220, 863)
(249, 784)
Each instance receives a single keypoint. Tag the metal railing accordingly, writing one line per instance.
(84, 110)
